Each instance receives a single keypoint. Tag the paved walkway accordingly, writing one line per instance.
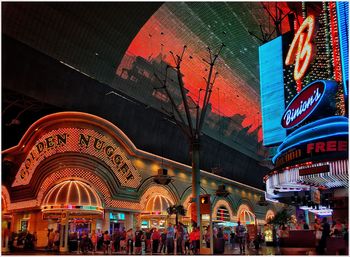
(264, 250)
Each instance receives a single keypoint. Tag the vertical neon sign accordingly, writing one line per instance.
(343, 30)
(302, 50)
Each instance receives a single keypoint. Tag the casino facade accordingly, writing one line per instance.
(89, 137)
(78, 172)
(306, 122)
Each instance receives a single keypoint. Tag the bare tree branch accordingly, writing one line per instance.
(163, 83)
(207, 90)
(183, 95)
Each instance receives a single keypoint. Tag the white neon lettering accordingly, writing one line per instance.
(292, 114)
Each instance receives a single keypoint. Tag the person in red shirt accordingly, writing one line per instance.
(194, 240)
(155, 238)
(197, 237)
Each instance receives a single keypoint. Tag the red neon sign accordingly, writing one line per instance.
(328, 146)
(302, 50)
(303, 105)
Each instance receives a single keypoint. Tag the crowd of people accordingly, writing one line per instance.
(323, 232)
(22, 240)
(170, 240)
(174, 239)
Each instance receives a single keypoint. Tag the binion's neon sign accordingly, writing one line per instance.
(302, 49)
(303, 105)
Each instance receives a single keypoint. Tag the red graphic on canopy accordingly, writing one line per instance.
(232, 98)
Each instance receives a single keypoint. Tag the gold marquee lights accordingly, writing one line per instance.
(89, 142)
(158, 203)
(71, 194)
(73, 173)
(85, 141)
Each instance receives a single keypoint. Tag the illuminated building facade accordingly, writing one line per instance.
(78, 172)
(309, 132)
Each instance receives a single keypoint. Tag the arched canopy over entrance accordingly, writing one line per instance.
(158, 204)
(73, 196)
(222, 211)
(155, 213)
(245, 215)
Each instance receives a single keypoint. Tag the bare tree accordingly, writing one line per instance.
(191, 128)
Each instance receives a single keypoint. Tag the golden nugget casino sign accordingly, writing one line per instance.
(84, 141)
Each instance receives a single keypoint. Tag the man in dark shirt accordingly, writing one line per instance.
(116, 240)
(305, 225)
(148, 240)
(138, 240)
(325, 234)
(163, 241)
(170, 239)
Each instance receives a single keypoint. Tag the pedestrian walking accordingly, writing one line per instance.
(179, 239)
(94, 241)
(325, 228)
(232, 239)
(170, 238)
(241, 235)
(207, 237)
(129, 242)
(123, 241)
(155, 239)
(106, 242)
(50, 237)
(193, 241)
(116, 240)
(163, 242)
(138, 240)
(56, 241)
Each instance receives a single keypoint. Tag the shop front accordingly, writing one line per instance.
(117, 221)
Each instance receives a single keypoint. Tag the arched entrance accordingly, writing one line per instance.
(155, 213)
(247, 218)
(222, 211)
(71, 207)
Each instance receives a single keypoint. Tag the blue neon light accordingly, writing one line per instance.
(272, 91)
(335, 127)
(316, 123)
(343, 30)
(309, 140)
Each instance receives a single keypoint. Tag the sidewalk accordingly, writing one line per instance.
(264, 250)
